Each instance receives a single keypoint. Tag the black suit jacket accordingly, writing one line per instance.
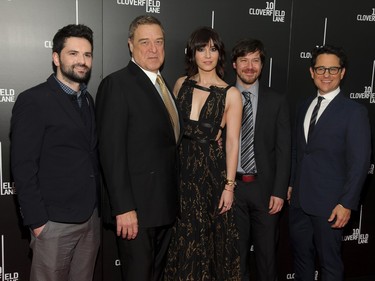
(331, 168)
(272, 143)
(138, 150)
(53, 156)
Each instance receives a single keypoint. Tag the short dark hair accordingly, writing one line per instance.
(330, 50)
(142, 20)
(248, 45)
(71, 30)
(198, 39)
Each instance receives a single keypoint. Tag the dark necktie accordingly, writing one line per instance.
(247, 136)
(84, 107)
(313, 117)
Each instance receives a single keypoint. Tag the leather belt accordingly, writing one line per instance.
(245, 177)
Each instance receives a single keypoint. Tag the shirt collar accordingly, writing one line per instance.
(331, 95)
(151, 75)
(70, 91)
(254, 89)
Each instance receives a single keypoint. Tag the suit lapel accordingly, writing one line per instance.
(66, 104)
(151, 91)
(261, 110)
(326, 115)
(93, 135)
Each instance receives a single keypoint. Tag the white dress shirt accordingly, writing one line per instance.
(325, 102)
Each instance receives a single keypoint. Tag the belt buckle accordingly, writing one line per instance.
(248, 178)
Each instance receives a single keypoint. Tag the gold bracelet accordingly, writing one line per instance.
(228, 189)
(230, 182)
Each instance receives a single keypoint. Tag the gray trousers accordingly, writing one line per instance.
(65, 252)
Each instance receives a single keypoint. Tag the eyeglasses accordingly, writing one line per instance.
(320, 70)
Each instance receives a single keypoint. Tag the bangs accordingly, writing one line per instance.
(202, 38)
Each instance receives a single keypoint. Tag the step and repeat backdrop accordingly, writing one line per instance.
(289, 30)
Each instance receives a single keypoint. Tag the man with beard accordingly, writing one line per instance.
(264, 162)
(55, 163)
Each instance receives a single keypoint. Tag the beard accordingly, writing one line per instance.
(69, 73)
(248, 80)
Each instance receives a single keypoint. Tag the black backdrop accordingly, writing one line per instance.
(289, 29)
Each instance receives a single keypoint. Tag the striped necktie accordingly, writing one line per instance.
(247, 136)
(314, 115)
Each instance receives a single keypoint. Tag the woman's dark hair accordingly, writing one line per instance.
(199, 39)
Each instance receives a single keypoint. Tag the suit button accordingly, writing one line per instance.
(92, 176)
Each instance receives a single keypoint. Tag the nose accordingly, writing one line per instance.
(207, 53)
(153, 47)
(249, 64)
(81, 59)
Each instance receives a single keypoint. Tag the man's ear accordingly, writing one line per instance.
(56, 58)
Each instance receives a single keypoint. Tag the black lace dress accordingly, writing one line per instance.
(204, 243)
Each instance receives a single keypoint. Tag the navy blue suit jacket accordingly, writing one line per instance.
(331, 168)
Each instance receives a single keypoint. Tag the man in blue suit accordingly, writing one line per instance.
(331, 157)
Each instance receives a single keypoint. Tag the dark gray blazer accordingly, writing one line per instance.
(53, 156)
(272, 143)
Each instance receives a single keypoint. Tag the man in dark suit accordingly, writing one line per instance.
(55, 163)
(138, 130)
(331, 158)
(264, 162)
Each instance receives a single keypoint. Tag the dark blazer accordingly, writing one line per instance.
(272, 143)
(138, 150)
(53, 156)
(331, 168)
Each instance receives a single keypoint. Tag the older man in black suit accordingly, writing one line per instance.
(55, 163)
(138, 130)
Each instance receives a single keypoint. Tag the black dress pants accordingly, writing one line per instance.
(257, 226)
(144, 258)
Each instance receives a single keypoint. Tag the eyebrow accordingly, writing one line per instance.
(145, 39)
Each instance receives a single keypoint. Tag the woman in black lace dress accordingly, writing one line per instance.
(204, 242)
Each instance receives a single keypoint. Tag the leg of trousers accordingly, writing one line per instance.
(144, 258)
(310, 234)
(328, 243)
(256, 225)
(302, 241)
(66, 252)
